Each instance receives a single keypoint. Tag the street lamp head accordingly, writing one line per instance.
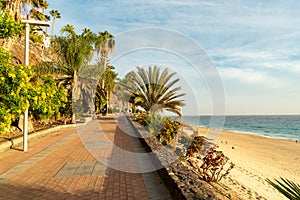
(36, 22)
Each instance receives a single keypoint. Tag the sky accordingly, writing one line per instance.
(252, 48)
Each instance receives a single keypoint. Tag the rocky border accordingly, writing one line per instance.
(181, 182)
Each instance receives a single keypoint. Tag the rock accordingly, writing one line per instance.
(181, 185)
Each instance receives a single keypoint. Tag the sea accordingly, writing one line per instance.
(273, 126)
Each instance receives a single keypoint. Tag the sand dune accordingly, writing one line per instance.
(257, 158)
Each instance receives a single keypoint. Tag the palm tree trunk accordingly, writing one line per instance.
(13, 8)
(53, 24)
(74, 85)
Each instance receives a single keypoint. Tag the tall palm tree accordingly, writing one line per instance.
(56, 15)
(106, 85)
(13, 8)
(123, 95)
(109, 80)
(38, 5)
(105, 44)
(73, 51)
(155, 91)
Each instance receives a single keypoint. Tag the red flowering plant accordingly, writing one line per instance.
(215, 166)
(199, 146)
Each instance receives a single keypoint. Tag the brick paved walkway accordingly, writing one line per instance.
(62, 165)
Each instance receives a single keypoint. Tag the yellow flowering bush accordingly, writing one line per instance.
(46, 99)
(8, 26)
(14, 85)
(42, 98)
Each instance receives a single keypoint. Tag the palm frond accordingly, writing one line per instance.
(149, 87)
(288, 188)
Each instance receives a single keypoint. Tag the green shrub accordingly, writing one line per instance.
(169, 131)
(157, 122)
(142, 118)
(163, 128)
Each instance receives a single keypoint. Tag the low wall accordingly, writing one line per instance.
(7, 144)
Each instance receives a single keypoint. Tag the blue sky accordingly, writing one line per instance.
(254, 45)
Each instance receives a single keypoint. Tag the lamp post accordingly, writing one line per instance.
(26, 59)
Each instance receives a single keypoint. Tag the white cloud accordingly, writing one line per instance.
(254, 77)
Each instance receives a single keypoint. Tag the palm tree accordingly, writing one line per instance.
(106, 85)
(56, 15)
(88, 78)
(13, 8)
(155, 91)
(105, 44)
(109, 80)
(121, 92)
(74, 52)
(38, 5)
(289, 189)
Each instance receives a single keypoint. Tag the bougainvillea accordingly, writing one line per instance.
(214, 164)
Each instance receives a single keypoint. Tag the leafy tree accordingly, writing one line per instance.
(155, 91)
(56, 15)
(14, 86)
(88, 78)
(106, 85)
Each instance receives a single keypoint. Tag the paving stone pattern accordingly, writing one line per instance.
(65, 169)
(72, 169)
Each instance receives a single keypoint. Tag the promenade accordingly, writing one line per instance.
(62, 165)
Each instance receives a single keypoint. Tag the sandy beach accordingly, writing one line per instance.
(257, 158)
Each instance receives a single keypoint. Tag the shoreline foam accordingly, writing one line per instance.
(260, 134)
